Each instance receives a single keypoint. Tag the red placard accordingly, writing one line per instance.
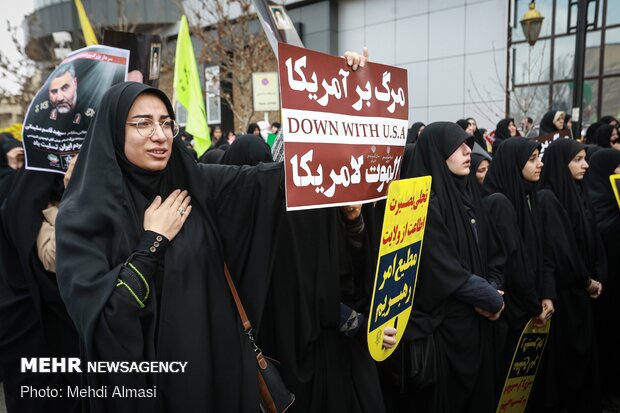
(344, 131)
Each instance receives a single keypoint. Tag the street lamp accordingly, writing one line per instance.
(532, 23)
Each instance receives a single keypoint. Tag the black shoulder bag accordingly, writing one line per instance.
(274, 396)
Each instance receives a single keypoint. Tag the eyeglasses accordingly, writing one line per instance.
(146, 127)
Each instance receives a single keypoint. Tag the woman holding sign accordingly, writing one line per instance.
(458, 281)
(315, 315)
(140, 284)
(574, 257)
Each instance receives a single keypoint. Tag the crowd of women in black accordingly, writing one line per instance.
(123, 260)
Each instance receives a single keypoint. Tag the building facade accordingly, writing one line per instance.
(465, 58)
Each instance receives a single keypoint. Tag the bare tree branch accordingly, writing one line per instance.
(237, 50)
(524, 98)
(21, 71)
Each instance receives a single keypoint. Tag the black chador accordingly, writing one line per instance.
(512, 203)
(573, 255)
(34, 322)
(189, 314)
(459, 249)
(316, 271)
(7, 142)
(607, 307)
(315, 274)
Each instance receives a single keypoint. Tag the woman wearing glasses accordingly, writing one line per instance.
(140, 260)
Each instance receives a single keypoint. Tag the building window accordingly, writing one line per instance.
(541, 77)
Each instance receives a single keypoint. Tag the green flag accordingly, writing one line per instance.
(188, 91)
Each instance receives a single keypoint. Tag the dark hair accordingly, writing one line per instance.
(252, 127)
(462, 123)
(62, 69)
(276, 124)
(530, 120)
(608, 119)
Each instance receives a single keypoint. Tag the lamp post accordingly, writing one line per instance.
(580, 55)
(531, 23)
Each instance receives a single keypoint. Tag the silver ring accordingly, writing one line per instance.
(181, 211)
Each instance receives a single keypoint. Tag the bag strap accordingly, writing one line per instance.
(247, 327)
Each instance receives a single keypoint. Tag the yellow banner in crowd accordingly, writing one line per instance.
(188, 90)
(87, 29)
(400, 250)
(615, 185)
(522, 372)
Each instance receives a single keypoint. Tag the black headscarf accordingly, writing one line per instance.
(608, 119)
(99, 224)
(603, 135)
(546, 124)
(4, 136)
(573, 196)
(479, 138)
(212, 156)
(248, 150)
(439, 276)
(6, 145)
(6, 172)
(222, 143)
(251, 128)
(501, 129)
(501, 132)
(476, 160)
(477, 156)
(505, 177)
(592, 131)
(602, 165)
(414, 130)
(462, 123)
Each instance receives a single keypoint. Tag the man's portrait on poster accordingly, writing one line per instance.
(155, 59)
(63, 93)
(280, 18)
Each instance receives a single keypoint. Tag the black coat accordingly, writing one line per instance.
(517, 218)
(234, 213)
(35, 322)
(607, 306)
(568, 377)
(463, 339)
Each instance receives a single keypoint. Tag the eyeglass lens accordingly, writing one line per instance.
(146, 127)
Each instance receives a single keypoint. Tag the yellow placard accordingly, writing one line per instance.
(615, 185)
(400, 249)
(523, 368)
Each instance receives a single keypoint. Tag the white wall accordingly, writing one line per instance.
(454, 51)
